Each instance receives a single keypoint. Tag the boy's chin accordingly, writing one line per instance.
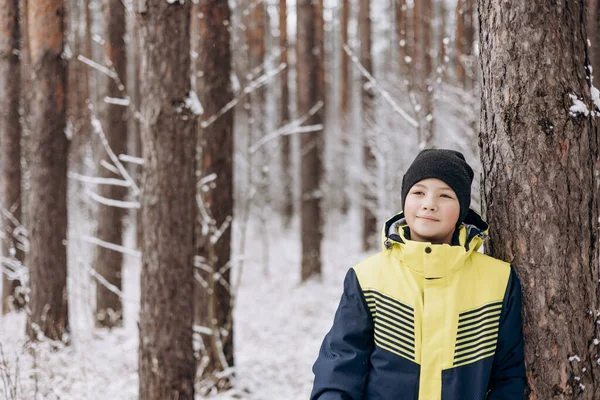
(433, 237)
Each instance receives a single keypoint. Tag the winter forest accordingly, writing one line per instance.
(184, 183)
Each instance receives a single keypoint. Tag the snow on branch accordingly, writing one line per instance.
(98, 180)
(100, 132)
(289, 128)
(98, 67)
(109, 167)
(111, 246)
(102, 280)
(375, 85)
(252, 86)
(219, 232)
(111, 73)
(131, 159)
(119, 102)
(112, 202)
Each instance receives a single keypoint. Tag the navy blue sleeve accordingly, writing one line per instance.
(342, 367)
(508, 380)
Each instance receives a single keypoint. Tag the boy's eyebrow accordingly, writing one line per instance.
(440, 188)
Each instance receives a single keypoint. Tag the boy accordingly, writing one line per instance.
(429, 317)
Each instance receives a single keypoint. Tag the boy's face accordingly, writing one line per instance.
(431, 210)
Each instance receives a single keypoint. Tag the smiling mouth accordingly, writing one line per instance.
(428, 219)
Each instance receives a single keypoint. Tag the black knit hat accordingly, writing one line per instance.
(446, 165)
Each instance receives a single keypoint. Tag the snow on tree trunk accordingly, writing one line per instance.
(108, 263)
(539, 185)
(166, 356)
(311, 83)
(10, 151)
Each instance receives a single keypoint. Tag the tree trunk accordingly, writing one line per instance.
(403, 39)
(442, 39)
(256, 32)
(311, 81)
(469, 43)
(428, 127)
(593, 24)
(459, 44)
(286, 142)
(166, 356)
(79, 93)
(212, 285)
(417, 40)
(10, 154)
(539, 186)
(137, 140)
(369, 198)
(345, 106)
(108, 263)
(47, 257)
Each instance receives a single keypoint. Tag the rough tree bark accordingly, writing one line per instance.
(166, 356)
(311, 82)
(108, 263)
(10, 152)
(539, 185)
(215, 194)
(47, 257)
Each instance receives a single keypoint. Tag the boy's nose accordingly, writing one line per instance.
(429, 204)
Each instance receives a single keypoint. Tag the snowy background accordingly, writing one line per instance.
(279, 326)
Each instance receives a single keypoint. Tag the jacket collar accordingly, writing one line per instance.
(434, 259)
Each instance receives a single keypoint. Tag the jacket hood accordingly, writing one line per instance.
(471, 233)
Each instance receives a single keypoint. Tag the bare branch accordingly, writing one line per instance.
(257, 83)
(98, 181)
(112, 202)
(375, 85)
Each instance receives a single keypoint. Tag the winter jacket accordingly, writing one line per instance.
(425, 321)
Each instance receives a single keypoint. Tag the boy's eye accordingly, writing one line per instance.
(417, 192)
(446, 196)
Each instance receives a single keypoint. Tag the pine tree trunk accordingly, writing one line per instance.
(10, 152)
(212, 286)
(138, 131)
(442, 45)
(345, 106)
(593, 24)
(469, 43)
(428, 77)
(310, 86)
(47, 258)
(256, 36)
(402, 37)
(459, 44)
(108, 263)
(166, 356)
(286, 142)
(369, 198)
(79, 93)
(539, 186)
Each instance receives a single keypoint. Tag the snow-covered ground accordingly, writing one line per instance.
(279, 325)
